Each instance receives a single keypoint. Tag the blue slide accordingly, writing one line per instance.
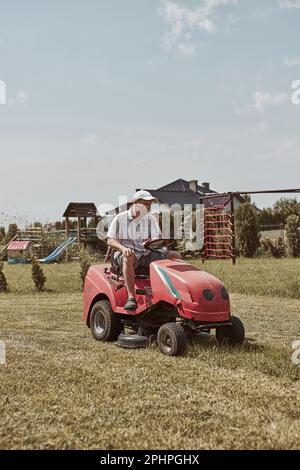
(58, 251)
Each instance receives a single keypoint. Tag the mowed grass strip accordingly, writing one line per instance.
(62, 389)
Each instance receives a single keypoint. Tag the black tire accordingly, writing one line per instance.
(171, 339)
(105, 324)
(132, 341)
(231, 335)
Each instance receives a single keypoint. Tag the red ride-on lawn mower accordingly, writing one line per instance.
(175, 301)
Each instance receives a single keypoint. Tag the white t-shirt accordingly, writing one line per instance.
(133, 232)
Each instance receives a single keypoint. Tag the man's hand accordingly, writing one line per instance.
(127, 252)
(149, 240)
(145, 242)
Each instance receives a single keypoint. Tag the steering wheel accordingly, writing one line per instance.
(157, 245)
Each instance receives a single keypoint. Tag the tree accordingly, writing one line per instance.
(279, 213)
(3, 281)
(293, 235)
(267, 216)
(37, 274)
(2, 234)
(247, 198)
(12, 231)
(286, 207)
(59, 225)
(247, 230)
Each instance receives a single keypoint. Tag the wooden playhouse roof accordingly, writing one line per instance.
(19, 245)
(81, 209)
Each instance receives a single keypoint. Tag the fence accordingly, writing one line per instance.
(272, 231)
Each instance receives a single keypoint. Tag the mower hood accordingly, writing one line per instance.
(192, 290)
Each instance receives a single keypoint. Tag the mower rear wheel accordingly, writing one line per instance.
(232, 335)
(105, 324)
(171, 339)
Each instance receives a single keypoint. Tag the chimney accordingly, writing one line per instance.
(194, 185)
(205, 185)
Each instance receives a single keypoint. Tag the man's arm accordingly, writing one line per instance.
(113, 238)
(118, 245)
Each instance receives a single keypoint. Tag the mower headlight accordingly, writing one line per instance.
(224, 293)
(208, 294)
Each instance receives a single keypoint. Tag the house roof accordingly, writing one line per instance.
(19, 245)
(211, 199)
(184, 185)
(180, 192)
(176, 197)
(81, 209)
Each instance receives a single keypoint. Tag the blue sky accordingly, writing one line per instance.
(105, 96)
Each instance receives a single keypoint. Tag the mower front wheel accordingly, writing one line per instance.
(171, 339)
(105, 324)
(231, 335)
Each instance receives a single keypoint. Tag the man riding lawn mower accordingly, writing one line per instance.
(149, 289)
(128, 233)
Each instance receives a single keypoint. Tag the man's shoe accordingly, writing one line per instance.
(130, 304)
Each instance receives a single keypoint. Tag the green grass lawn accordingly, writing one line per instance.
(62, 389)
(258, 276)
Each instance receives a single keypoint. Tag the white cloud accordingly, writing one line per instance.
(264, 100)
(291, 62)
(20, 99)
(90, 139)
(289, 3)
(208, 26)
(183, 21)
(186, 49)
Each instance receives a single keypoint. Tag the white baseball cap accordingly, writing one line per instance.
(144, 195)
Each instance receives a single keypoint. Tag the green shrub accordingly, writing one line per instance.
(37, 274)
(86, 261)
(247, 230)
(293, 235)
(3, 281)
(274, 247)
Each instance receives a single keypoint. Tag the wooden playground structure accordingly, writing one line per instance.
(78, 232)
(82, 211)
